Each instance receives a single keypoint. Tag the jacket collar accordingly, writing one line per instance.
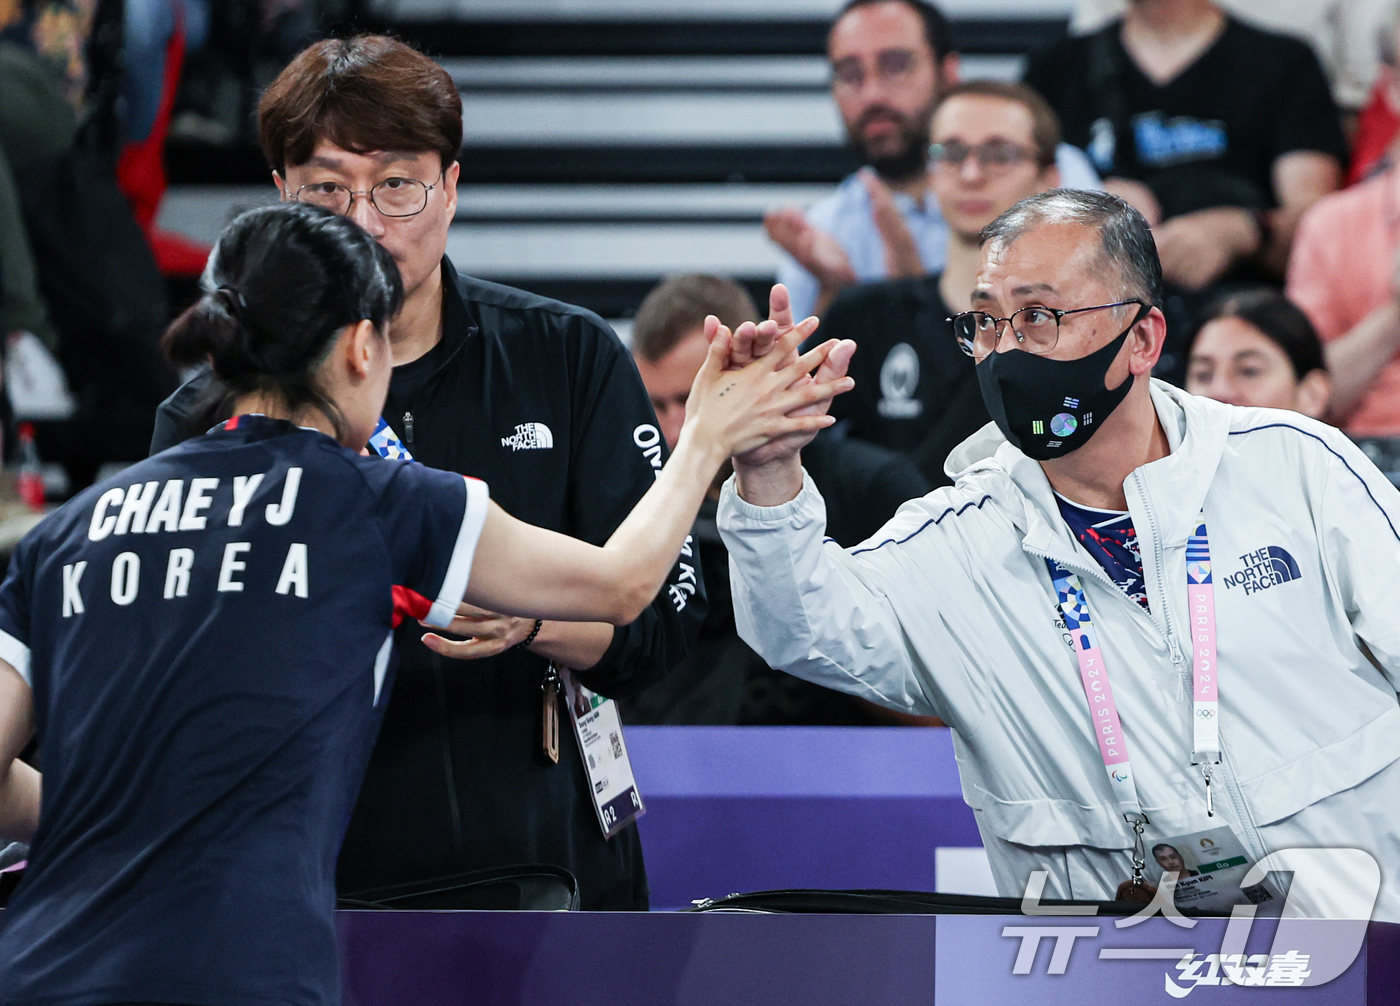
(1174, 488)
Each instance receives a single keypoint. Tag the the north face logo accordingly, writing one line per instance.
(1264, 568)
(529, 436)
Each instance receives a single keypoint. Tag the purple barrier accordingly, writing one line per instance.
(651, 959)
(759, 808)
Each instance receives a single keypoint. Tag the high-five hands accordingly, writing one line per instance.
(739, 409)
(744, 399)
(753, 341)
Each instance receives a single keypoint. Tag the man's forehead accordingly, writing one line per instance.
(1049, 259)
(984, 289)
(329, 155)
(977, 116)
(887, 24)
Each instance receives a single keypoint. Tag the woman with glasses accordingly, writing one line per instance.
(204, 643)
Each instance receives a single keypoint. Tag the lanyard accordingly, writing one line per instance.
(385, 442)
(1103, 710)
(1205, 695)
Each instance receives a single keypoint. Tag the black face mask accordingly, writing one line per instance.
(1048, 408)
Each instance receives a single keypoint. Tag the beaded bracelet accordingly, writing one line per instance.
(524, 644)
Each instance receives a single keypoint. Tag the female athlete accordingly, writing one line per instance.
(203, 643)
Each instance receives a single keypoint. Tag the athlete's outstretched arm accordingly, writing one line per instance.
(527, 570)
(19, 783)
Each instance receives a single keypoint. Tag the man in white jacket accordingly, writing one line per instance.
(1053, 607)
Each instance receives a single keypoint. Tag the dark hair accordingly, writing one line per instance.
(365, 93)
(1127, 243)
(1045, 124)
(936, 31)
(1277, 318)
(678, 305)
(281, 283)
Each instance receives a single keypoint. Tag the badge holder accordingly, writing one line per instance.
(1210, 865)
(598, 729)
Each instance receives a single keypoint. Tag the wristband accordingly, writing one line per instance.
(524, 644)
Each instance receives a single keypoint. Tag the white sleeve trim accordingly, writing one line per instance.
(16, 654)
(730, 498)
(454, 585)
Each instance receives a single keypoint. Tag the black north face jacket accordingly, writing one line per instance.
(543, 402)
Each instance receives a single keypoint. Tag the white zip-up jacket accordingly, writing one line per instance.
(950, 611)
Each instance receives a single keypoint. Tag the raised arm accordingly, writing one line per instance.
(19, 783)
(534, 572)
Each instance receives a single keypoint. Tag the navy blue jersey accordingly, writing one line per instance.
(1109, 536)
(209, 638)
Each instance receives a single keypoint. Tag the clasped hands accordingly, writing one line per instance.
(490, 633)
(750, 341)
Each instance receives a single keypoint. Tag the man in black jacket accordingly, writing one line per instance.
(537, 398)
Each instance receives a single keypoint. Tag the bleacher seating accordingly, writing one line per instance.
(610, 142)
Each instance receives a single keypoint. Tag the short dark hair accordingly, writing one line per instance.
(936, 31)
(1045, 124)
(1127, 243)
(1277, 318)
(281, 283)
(678, 305)
(365, 93)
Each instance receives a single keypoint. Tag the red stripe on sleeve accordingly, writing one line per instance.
(409, 604)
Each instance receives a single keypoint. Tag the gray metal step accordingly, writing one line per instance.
(659, 73)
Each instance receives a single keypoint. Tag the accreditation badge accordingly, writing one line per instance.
(599, 731)
(1209, 867)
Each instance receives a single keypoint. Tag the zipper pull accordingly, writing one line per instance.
(550, 688)
(408, 427)
(1183, 673)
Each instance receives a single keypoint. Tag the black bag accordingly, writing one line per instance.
(876, 902)
(528, 888)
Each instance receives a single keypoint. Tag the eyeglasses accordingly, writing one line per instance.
(891, 66)
(393, 197)
(1036, 328)
(993, 157)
